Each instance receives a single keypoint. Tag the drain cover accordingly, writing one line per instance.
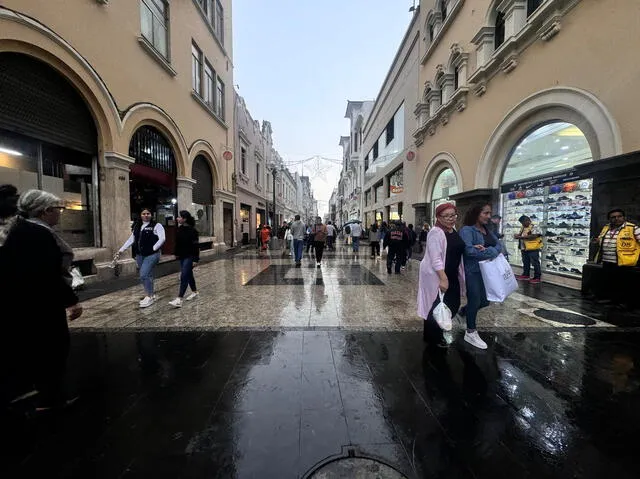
(564, 317)
(356, 468)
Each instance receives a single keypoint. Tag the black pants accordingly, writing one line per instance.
(330, 243)
(319, 247)
(530, 258)
(397, 252)
(432, 332)
(375, 248)
(617, 284)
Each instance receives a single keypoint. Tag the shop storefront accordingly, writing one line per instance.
(202, 196)
(245, 223)
(543, 180)
(152, 182)
(48, 141)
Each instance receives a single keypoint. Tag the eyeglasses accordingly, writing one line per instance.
(448, 217)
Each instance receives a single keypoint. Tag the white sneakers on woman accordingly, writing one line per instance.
(147, 301)
(193, 295)
(475, 339)
(177, 303)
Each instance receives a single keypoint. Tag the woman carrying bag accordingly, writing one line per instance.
(441, 273)
(480, 244)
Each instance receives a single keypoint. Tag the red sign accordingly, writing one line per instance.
(411, 155)
(227, 155)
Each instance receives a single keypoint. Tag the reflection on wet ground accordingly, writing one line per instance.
(273, 404)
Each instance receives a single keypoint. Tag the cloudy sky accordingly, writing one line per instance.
(298, 62)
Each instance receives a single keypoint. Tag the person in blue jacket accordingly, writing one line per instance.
(481, 243)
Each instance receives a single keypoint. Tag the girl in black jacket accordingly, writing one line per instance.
(188, 252)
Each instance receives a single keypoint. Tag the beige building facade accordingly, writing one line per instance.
(116, 105)
(530, 105)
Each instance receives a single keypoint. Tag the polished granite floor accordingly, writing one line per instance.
(276, 371)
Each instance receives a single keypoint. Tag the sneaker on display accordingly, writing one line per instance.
(475, 340)
(176, 303)
(147, 301)
(192, 296)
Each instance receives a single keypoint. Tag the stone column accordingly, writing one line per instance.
(422, 213)
(185, 194)
(115, 207)
(484, 42)
(515, 16)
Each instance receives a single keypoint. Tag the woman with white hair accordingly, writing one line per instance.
(35, 276)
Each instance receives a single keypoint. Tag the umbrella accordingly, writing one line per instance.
(352, 221)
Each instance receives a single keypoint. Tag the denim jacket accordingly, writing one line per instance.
(472, 236)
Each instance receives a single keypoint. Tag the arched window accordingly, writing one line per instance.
(547, 149)
(446, 185)
(150, 148)
(432, 32)
(532, 6)
(499, 32)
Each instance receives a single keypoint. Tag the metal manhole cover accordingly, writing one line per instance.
(564, 317)
(356, 468)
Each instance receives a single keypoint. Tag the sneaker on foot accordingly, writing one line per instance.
(147, 301)
(318, 265)
(522, 277)
(176, 303)
(475, 340)
(192, 296)
(535, 281)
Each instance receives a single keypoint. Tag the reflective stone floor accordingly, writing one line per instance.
(274, 372)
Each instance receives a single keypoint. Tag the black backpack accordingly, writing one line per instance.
(347, 229)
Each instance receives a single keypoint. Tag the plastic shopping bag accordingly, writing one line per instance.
(498, 277)
(77, 281)
(442, 314)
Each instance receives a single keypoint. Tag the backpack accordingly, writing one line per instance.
(347, 229)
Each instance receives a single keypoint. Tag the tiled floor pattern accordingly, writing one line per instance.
(249, 291)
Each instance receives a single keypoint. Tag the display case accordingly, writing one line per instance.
(562, 213)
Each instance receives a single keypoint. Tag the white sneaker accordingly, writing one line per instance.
(176, 303)
(475, 340)
(192, 296)
(147, 301)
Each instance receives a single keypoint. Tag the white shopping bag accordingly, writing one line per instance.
(498, 277)
(442, 314)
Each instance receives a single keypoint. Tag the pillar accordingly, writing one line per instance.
(185, 194)
(515, 16)
(484, 42)
(115, 205)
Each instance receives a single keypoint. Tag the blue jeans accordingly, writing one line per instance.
(146, 264)
(530, 258)
(298, 246)
(356, 244)
(476, 297)
(186, 276)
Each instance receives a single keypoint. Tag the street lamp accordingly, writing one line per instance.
(274, 171)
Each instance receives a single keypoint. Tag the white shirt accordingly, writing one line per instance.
(158, 230)
(356, 230)
(331, 230)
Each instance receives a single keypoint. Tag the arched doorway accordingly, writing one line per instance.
(49, 141)
(541, 182)
(446, 184)
(203, 195)
(152, 182)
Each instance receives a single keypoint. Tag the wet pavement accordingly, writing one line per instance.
(278, 372)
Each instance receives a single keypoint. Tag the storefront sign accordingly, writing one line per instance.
(562, 177)
(397, 189)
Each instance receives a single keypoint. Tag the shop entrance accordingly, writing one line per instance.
(227, 219)
(152, 181)
(202, 196)
(48, 141)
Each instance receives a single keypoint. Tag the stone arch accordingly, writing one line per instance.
(568, 104)
(204, 148)
(51, 49)
(148, 114)
(437, 165)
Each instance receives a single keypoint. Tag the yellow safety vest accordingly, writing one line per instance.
(530, 245)
(627, 247)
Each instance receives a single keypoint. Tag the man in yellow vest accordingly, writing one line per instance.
(619, 250)
(530, 242)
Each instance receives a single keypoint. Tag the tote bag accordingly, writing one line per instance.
(498, 277)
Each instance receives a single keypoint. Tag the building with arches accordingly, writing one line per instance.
(517, 110)
(130, 107)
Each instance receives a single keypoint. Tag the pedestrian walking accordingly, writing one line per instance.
(298, 230)
(187, 251)
(441, 270)
(480, 244)
(530, 243)
(331, 236)
(356, 233)
(319, 233)
(374, 239)
(265, 234)
(422, 238)
(412, 241)
(397, 241)
(147, 237)
(36, 277)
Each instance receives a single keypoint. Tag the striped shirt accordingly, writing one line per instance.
(610, 243)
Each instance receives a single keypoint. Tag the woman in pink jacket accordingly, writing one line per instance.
(441, 269)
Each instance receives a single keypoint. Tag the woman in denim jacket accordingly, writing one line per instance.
(480, 244)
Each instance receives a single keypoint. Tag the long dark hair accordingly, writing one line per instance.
(374, 227)
(188, 218)
(472, 214)
(8, 201)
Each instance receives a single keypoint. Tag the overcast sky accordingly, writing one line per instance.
(296, 63)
